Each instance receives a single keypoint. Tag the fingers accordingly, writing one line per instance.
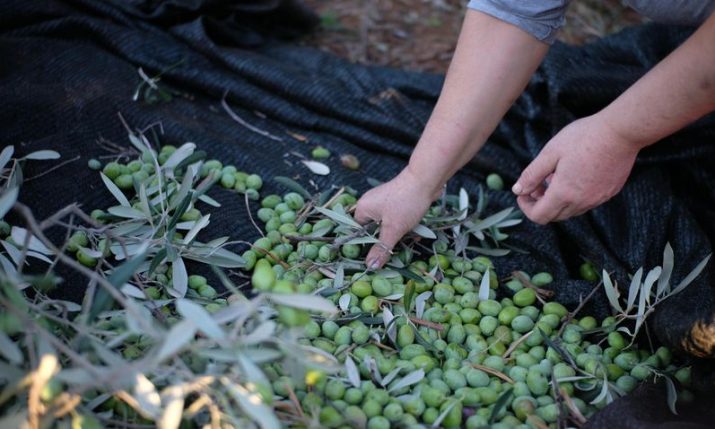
(380, 253)
(535, 174)
(362, 214)
(543, 210)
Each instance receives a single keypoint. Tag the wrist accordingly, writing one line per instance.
(630, 137)
(430, 187)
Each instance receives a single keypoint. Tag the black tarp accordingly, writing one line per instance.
(70, 67)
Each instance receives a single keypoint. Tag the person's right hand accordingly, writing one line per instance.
(397, 206)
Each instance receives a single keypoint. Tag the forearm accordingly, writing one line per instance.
(676, 92)
(492, 64)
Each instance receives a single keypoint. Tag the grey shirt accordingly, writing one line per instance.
(544, 18)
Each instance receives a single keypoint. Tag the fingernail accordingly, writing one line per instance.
(517, 188)
(373, 264)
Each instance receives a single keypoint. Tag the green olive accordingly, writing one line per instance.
(522, 324)
(334, 389)
(393, 412)
(488, 324)
(536, 381)
(360, 334)
(319, 152)
(112, 170)
(405, 336)
(85, 259)
(524, 297)
(556, 309)
(330, 417)
(196, 281)
(507, 314)
(263, 277)
(588, 272)
(350, 251)
(369, 304)
(381, 286)
(361, 289)
(495, 182)
(207, 291)
(489, 307)
(541, 279)
(124, 182)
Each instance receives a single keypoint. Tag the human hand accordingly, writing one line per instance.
(397, 205)
(581, 167)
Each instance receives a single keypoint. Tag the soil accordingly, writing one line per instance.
(421, 34)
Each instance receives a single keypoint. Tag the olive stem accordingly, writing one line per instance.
(570, 316)
(431, 325)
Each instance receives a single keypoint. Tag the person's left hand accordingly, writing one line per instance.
(581, 167)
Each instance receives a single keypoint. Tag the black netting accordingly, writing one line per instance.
(70, 67)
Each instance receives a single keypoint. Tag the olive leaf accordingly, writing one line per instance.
(115, 191)
(363, 240)
(408, 296)
(500, 403)
(412, 378)
(10, 350)
(344, 302)
(339, 279)
(463, 204)
(180, 154)
(252, 404)
(176, 339)
(6, 155)
(198, 226)
(664, 280)
(423, 231)
(605, 394)
(484, 286)
(634, 288)
(200, 317)
(293, 186)
(438, 421)
(420, 303)
(691, 276)
(42, 155)
(253, 373)
(672, 393)
(179, 277)
(611, 291)
(490, 252)
(352, 372)
(20, 235)
(340, 218)
(390, 376)
(303, 301)
(7, 200)
(388, 320)
(147, 397)
(127, 212)
(261, 333)
(316, 167)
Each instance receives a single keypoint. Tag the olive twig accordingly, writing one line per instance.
(571, 315)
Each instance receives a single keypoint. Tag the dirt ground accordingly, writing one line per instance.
(421, 34)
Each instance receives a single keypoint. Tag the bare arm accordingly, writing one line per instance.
(676, 92)
(588, 161)
(491, 66)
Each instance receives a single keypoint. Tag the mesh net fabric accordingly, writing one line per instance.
(70, 67)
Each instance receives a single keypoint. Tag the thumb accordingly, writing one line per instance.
(535, 173)
(379, 254)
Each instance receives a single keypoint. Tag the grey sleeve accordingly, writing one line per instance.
(542, 19)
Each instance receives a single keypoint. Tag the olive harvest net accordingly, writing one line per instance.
(70, 67)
